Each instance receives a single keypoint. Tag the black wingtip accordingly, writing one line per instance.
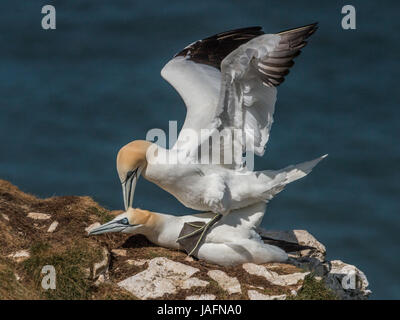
(286, 246)
(312, 27)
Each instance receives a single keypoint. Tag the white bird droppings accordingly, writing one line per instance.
(53, 227)
(20, 255)
(38, 216)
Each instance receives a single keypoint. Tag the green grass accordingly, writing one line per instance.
(10, 287)
(313, 289)
(70, 263)
(102, 214)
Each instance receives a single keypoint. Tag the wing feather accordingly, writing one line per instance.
(249, 77)
(228, 81)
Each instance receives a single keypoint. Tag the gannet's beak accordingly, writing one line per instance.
(116, 225)
(128, 189)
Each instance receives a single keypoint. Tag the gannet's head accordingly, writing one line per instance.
(133, 221)
(131, 160)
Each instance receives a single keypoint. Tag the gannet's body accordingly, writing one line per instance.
(232, 240)
(228, 83)
(219, 189)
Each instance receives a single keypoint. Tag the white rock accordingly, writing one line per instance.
(256, 287)
(119, 252)
(138, 263)
(273, 277)
(102, 266)
(162, 276)
(17, 277)
(347, 281)
(38, 216)
(194, 282)
(201, 297)
(100, 280)
(189, 259)
(20, 255)
(230, 284)
(53, 227)
(5, 217)
(92, 226)
(255, 295)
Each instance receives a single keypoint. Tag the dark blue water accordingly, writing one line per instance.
(70, 98)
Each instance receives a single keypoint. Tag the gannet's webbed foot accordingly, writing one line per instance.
(193, 233)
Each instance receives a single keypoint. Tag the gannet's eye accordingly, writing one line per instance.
(124, 221)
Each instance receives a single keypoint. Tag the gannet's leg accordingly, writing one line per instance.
(202, 230)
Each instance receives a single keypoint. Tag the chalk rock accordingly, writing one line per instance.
(273, 277)
(347, 281)
(119, 252)
(189, 259)
(255, 295)
(230, 284)
(201, 297)
(20, 255)
(138, 263)
(194, 282)
(101, 279)
(53, 227)
(38, 216)
(92, 226)
(162, 276)
(102, 266)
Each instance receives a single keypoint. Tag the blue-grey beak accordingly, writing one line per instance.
(128, 189)
(112, 226)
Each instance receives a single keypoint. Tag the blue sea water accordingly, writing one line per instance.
(71, 97)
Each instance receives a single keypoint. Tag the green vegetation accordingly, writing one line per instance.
(104, 215)
(10, 287)
(314, 290)
(70, 263)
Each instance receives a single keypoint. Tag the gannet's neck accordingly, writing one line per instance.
(162, 229)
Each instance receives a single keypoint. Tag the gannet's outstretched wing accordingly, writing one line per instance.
(249, 77)
(195, 74)
(228, 81)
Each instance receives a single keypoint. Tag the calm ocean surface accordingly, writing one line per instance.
(70, 98)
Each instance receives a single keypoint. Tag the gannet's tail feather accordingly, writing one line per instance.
(286, 246)
(277, 180)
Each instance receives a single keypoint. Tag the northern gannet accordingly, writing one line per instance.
(231, 241)
(228, 82)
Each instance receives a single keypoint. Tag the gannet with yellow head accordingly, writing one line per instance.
(228, 82)
(131, 161)
(232, 240)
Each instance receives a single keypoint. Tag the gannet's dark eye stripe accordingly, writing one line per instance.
(129, 175)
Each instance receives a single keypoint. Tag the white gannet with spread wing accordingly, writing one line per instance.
(228, 82)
